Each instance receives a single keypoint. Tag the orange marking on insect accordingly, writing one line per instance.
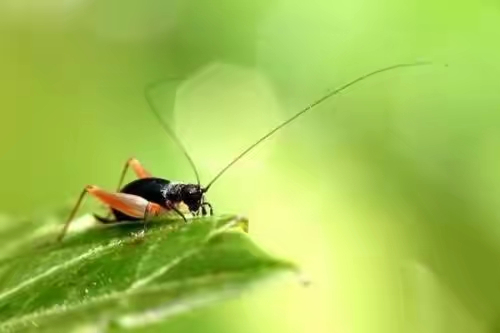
(155, 209)
(129, 204)
(138, 168)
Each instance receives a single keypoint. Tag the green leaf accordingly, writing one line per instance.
(117, 276)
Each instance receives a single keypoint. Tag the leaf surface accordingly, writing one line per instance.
(117, 276)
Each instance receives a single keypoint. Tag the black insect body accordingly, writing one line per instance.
(149, 196)
(164, 193)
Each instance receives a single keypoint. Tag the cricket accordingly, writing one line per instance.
(149, 196)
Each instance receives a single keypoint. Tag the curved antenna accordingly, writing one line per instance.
(307, 108)
(167, 128)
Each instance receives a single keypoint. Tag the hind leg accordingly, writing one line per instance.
(131, 205)
(139, 171)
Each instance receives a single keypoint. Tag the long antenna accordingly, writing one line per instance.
(307, 108)
(167, 128)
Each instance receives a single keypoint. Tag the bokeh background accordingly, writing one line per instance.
(386, 195)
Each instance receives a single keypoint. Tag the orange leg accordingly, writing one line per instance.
(129, 204)
(139, 171)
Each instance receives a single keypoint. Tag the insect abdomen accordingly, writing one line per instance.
(151, 189)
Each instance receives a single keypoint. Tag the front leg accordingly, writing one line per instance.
(204, 211)
(171, 206)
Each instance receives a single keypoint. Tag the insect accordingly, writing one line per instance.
(149, 196)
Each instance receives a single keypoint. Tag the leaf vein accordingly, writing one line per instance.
(54, 269)
(162, 270)
(117, 295)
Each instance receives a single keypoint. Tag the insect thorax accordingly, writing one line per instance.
(190, 194)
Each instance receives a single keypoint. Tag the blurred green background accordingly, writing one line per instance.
(386, 195)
